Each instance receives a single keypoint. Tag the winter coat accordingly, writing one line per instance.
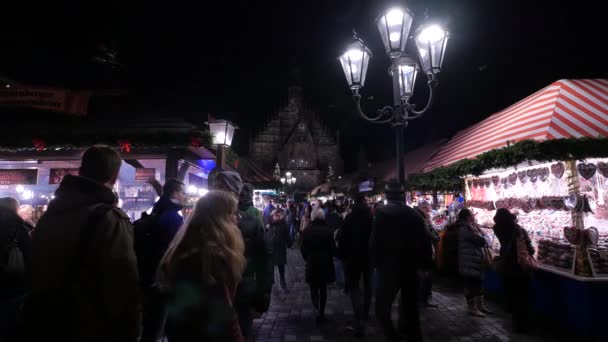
(334, 221)
(12, 227)
(197, 311)
(353, 238)
(167, 223)
(106, 293)
(400, 243)
(471, 243)
(255, 286)
(507, 235)
(279, 231)
(267, 214)
(317, 250)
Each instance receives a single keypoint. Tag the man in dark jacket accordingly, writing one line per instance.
(253, 292)
(279, 233)
(353, 249)
(13, 282)
(167, 221)
(84, 270)
(400, 249)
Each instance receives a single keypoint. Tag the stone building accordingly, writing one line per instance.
(296, 138)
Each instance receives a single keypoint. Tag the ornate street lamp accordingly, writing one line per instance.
(223, 132)
(394, 26)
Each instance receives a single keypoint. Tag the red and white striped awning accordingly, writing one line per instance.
(564, 109)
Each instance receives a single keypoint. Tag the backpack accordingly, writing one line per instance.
(146, 249)
(15, 263)
(51, 314)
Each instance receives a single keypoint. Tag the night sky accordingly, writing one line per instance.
(234, 59)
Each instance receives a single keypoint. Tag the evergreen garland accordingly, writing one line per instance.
(70, 140)
(448, 178)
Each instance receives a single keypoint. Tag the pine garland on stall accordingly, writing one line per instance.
(448, 178)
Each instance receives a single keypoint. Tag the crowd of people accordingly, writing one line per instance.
(86, 273)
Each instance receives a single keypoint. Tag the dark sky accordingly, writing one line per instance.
(233, 59)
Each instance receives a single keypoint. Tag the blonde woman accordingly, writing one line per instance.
(201, 270)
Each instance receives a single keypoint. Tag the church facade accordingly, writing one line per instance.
(299, 142)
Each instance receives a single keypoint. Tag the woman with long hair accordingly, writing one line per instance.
(201, 270)
(305, 220)
(471, 245)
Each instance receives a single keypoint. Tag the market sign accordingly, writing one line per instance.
(144, 174)
(56, 175)
(44, 98)
(19, 176)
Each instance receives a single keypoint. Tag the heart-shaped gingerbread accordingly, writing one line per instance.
(603, 169)
(495, 180)
(488, 182)
(572, 234)
(586, 170)
(558, 169)
(543, 173)
(533, 175)
(513, 178)
(523, 177)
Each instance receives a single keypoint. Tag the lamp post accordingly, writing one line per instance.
(223, 132)
(394, 26)
(288, 180)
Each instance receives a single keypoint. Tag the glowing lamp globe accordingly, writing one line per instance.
(394, 26)
(354, 62)
(222, 131)
(431, 40)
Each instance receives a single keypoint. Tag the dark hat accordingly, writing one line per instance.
(394, 187)
(246, 192)
(228, 180)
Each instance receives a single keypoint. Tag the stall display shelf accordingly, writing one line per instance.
(599, 263)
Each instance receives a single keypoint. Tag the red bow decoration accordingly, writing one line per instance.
(125, 146)
(236, 164)
(39, 144)
(196, 142)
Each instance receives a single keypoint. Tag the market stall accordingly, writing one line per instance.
(544, 159)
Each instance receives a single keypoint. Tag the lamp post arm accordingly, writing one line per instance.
(381, 112)
(417, 114)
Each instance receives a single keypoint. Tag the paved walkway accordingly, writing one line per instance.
(291, 316)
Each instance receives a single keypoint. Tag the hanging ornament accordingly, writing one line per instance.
(586, 170)
(125, 146)
(196, 142)
(39, 144)
(558, 169)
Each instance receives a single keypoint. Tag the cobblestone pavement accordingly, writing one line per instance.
(291, 316)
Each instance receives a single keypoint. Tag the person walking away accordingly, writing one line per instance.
(267, 213)
(292, 221)
(253, 292)
(305, 220)
(200, 272)
(426, 278)
(84, 269)
(515, 278)
(471, 256)
(317, 250)
(15, 257)
(334, 222)
(353, 249)
(279, 233)
(400, 249)
(153, 234)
